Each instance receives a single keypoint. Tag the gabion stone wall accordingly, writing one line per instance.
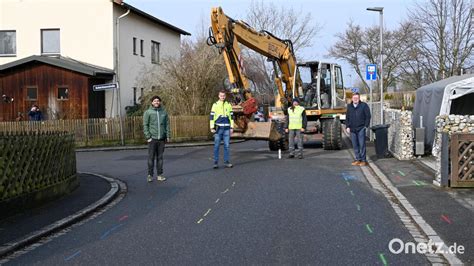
(400, 133)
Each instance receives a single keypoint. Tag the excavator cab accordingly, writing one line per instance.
(322, 85)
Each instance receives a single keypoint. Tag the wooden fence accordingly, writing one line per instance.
(106, 131)
(462, 160)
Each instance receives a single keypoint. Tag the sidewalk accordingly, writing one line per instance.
(449, 211)
(13, 228)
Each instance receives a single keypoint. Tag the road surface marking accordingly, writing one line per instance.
(123, 218)
(382, 258)
(352, 193)
(225, 191)
(368, 228)
(446, 219)
(200, 220)
(348, 184)
(358, 207)
(233, 183)
(104, 235)
(217, 200)
(403, 174)
(73, 255)
(208, 211)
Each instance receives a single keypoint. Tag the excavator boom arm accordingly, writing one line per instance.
(227, 33)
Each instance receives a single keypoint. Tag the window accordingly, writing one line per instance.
(134, 95)
(50, 41)
(141, 48)
(7, 43)
(31, 93)
(141, 92)
(63, 93)
(134, 46)
(155, 52)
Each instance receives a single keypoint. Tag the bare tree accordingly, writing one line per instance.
(446, 36)
(283, 22)
(186, 84)
(359, 47)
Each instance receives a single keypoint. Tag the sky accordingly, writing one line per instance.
(333, 15)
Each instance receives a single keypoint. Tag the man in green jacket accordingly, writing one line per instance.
(157, 132)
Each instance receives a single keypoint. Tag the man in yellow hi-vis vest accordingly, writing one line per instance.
(295, 125)
(222, 125)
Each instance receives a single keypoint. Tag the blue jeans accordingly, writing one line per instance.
(221, 134)
(358, 142)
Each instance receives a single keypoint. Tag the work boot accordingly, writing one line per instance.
(291, 156)
(215, 166)
(363, 163)
(355, 163)
(149, 178)
(160, 178)
(228, 165)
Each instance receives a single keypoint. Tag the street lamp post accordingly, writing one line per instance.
(380, 10)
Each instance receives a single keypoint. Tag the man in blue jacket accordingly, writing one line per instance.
(157, 131)
(357, 122)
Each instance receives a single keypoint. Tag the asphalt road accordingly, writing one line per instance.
(319, 210)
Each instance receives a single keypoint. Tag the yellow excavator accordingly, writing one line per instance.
(318, 85)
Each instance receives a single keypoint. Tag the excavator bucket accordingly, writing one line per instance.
(259, 131)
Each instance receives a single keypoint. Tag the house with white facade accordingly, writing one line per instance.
(52, 53)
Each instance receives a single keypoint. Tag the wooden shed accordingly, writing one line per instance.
(60, 86)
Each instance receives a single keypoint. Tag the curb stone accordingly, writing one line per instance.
(117, 187)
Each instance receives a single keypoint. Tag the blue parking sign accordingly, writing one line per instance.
(371, 72)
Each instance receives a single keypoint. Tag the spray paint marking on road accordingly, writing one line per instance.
(368, 228)
(358, 207)
(233, 184)
(123, 218)
(104, 235)
(200, 221)
(403, 174)
(348, 177)
(225, 191)
(208, 211)
(382, 258)
(72, 256)
(419, 183)
(446, 219)
(352, 193)
(398, 178)
(217, 200)
(348, 184)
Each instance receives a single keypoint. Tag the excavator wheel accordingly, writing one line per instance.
(332, 138)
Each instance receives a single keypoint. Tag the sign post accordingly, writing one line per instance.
(112, 86)
(371, 75)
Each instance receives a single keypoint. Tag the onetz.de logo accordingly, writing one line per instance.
(397, 246)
